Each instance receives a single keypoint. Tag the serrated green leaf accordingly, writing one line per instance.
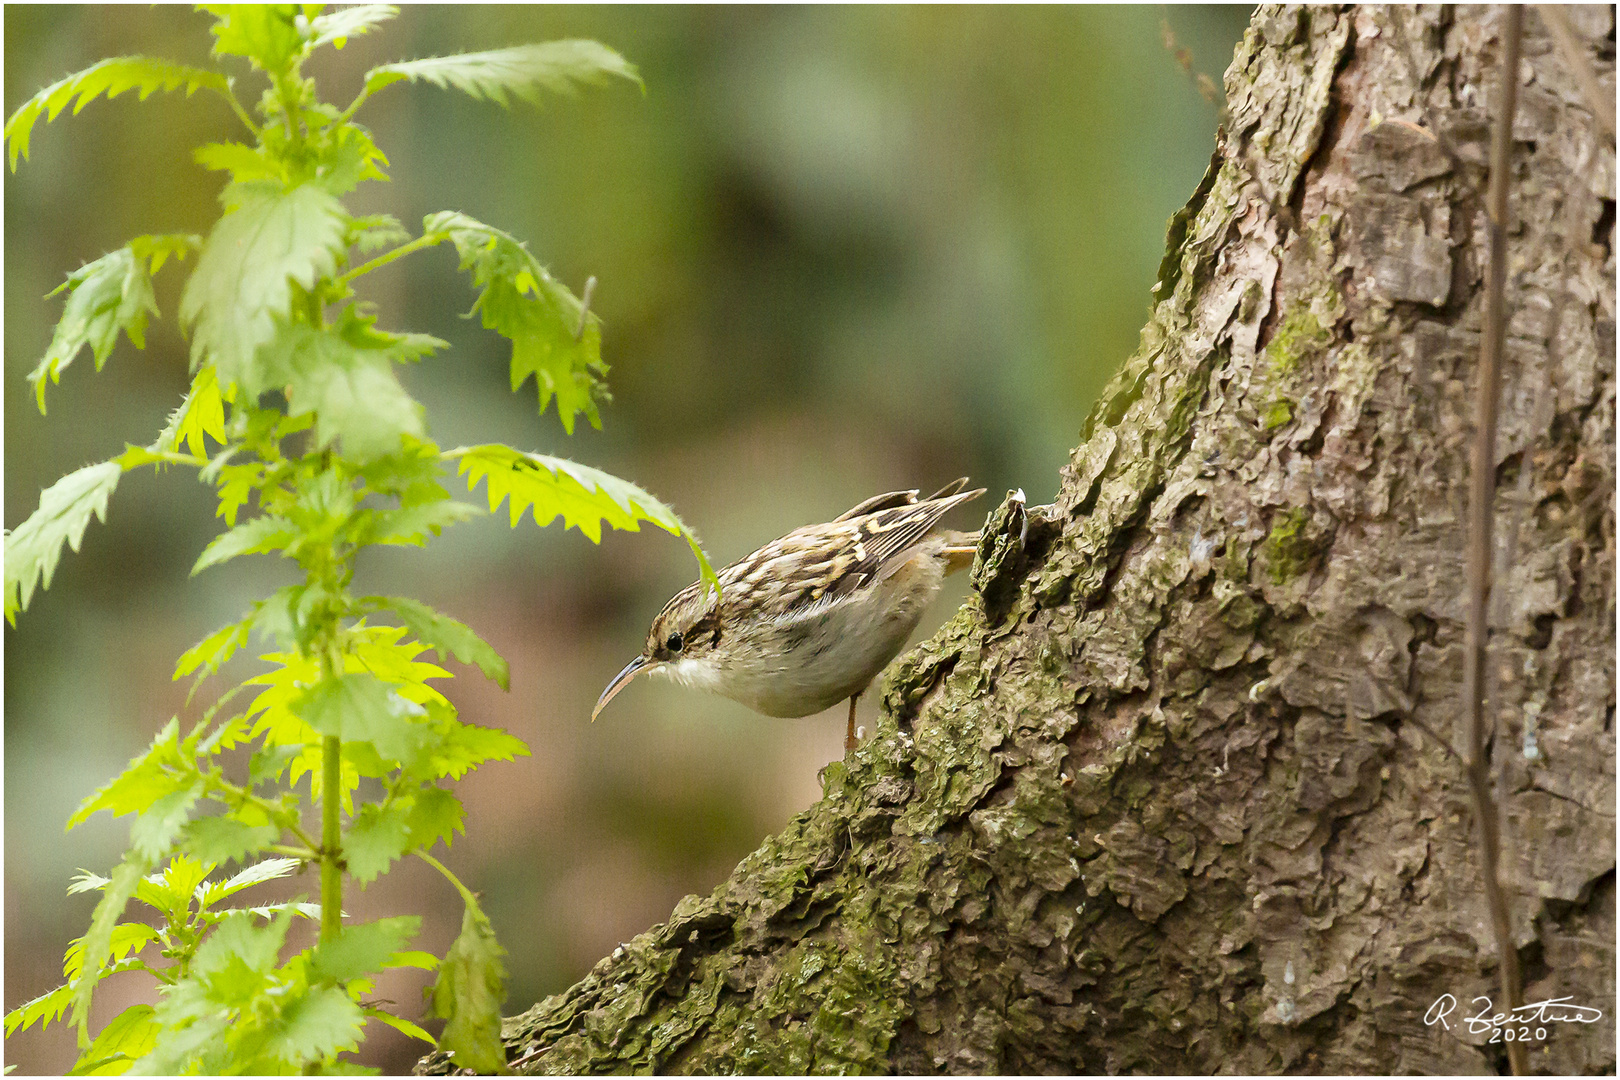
(48, 1007)
(35, 547)
(210, 893)
(179, 1044)
(270, 241)
(413, 524)
(236, 484)
(469, 992)
(112, 293)
(360, 706)
(45, 1009)
(364, 759)
(349, 1067)
(264, 34)
(116, 1065)
(230, 990)
(226, 839)
(585, 498)
(271, 762)
(373, 232)
(213, 651)
(279, 617)
(409, 348)
(435, 815)
(320, 1023)
(225, 735)
(130, 1035)
(553, 337)
(338, 26)
(386, 652)
(362, 948)
(134, 457)
(414, 958)
(401, 1025)
(302, 910)
(158, 826)
(98, 939)
(237, 956)
(350, 387)
(324, 500)
(84, 881)
(241, 161)
(524, 70)
(261, 535)
(172, 889)
(201, 413)
(449, 637)
(276, 721)
(374, 839)
(157, 249)
(415, 476)
(126, 938)
(147, 778)
(461, 747)
(347, 157)
(112, 77)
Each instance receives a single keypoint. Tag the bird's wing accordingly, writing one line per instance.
(894, 500)
(887, 535)
(879, 502)
(833, 560)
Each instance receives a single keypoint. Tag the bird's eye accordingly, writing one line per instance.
(674, 642)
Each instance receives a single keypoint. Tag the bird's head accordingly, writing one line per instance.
(687, 631)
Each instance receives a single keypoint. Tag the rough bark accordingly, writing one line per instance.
(1158, 799)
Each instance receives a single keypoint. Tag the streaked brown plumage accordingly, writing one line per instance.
(811, 618)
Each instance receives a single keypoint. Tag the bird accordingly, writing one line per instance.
(812, 617)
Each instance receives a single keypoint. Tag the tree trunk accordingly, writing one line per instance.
(1168, 795)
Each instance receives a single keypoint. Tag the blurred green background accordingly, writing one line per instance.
(839, 250)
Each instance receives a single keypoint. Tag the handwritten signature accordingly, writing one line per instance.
(1524, 1024)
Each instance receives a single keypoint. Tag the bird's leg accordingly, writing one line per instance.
(849, 732)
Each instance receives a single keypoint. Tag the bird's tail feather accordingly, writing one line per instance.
(960, 547)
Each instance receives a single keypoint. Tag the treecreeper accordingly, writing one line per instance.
(810, 619)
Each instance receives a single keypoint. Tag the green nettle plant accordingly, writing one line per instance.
(335, 461)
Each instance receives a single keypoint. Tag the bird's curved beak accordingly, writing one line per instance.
(620, 681)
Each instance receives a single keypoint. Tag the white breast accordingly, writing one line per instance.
(827, 655)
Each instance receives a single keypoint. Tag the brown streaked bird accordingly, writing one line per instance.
(810, 619)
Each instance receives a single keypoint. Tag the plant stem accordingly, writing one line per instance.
(292, 852)
(466, 893)
(229, 94)
(1574, 54)
(426, 240)
(229, 793)
(1482, 505)
(331, 838)
(354, 106)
